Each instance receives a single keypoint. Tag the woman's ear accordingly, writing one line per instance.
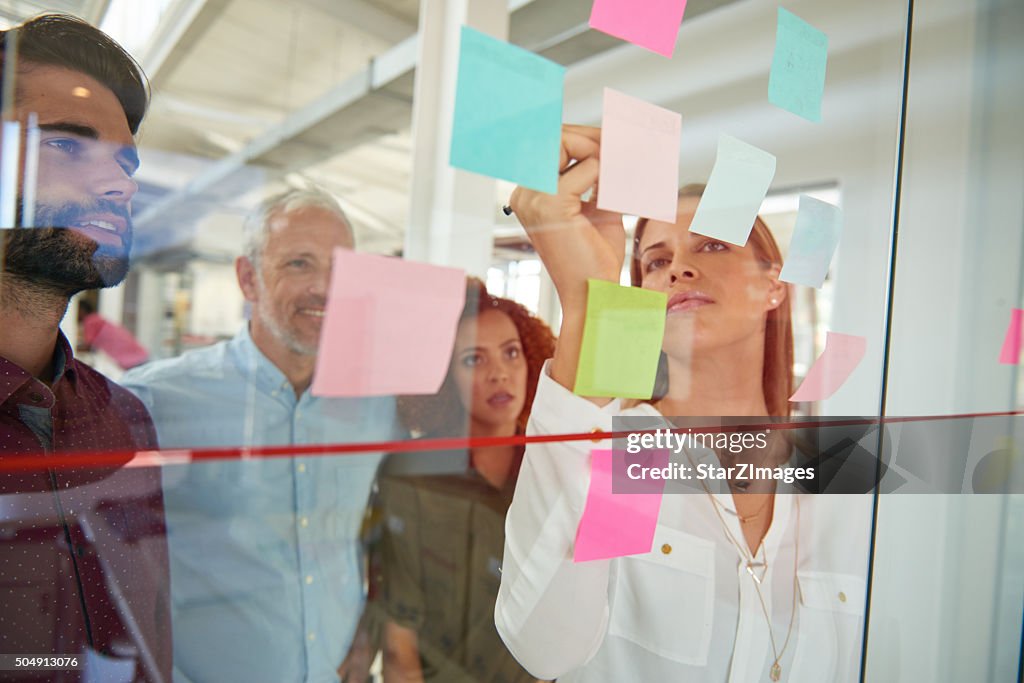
(777, 290)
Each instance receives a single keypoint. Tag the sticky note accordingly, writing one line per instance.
(843, 353)
(639, 158)
(389, 327)
(616, 524)
(797, 79)
(508, 113)
(1010, 353)
(653, 24)
(621, 344)
(738, 184)
(815, 238)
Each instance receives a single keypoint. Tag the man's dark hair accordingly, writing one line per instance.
(66, 41)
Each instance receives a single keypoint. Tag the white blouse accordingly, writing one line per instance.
(688, 610)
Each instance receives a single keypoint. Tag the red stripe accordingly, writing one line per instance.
(44, 461)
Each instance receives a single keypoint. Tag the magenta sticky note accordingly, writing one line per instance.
(842, 354)
(653, 24)
(389, 327)
(1010, 354)
(616, 524)
(639, 158)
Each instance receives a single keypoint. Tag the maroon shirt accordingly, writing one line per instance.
(83, 553)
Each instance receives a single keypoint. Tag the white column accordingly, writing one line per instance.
(111, 302)
(452, 212)
(150, 312)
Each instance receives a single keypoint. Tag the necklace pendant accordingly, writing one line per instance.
(776, 672)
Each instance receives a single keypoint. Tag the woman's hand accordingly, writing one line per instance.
(574, 239)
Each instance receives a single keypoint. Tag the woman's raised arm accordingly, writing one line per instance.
(574, 239)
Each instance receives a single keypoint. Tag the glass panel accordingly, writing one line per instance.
(302, 441)
(957, 277)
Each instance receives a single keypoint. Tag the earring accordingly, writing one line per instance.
(775, 302)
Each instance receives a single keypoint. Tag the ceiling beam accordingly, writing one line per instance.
(180, 29)
(368, 18)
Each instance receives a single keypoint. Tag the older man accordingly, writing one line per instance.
(266, 568)
(83, 561)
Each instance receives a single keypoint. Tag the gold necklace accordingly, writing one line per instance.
(746, 518)
(775, 672)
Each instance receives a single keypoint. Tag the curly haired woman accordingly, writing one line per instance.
(443, 530)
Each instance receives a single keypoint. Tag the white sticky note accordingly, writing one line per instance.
(815, 238)
(737, 186)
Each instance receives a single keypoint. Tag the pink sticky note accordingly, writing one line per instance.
(617, 524)
(389, 328)
(653, 24)
(1010, 354)
(843, 353)
(639, 158)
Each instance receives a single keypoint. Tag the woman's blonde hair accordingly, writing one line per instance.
(777, 378)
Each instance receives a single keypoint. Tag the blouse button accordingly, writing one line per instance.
(666, 549)
(842, 596)
(596, 431)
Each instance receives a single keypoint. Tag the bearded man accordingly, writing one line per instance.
(83, 562)
(267, 578)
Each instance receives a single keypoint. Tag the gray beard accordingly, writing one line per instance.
(281, 334)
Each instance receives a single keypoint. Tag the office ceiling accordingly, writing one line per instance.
(253, 95)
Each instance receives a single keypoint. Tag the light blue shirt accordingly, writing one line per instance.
(266, 565)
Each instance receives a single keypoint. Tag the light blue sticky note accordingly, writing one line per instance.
(815, 238)
(797, 80)
(508, 113)
(737, 186)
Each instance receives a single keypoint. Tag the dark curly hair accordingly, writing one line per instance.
(442, 414)
(66, 41)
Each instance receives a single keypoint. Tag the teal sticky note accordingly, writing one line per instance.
(815, 239)
(797, 79)
(621, 344)
(508, 113)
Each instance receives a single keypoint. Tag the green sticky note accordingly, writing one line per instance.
(797, 79)
(622, 338)
(508, 113)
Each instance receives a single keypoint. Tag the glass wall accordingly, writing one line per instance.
(345, 418)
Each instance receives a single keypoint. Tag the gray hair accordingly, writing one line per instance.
(256, 229)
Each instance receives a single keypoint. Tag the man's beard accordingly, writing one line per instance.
(279, 330)
(60, 259)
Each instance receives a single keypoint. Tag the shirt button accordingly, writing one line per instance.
(311, 636)
(36, 396)
(309, 580)
(842, 596)
(301, 468)
(597, 430)
(666, 549)
(304, 521)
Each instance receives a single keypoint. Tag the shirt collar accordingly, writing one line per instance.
(252, 362)
(64, 366)
(12, 377)
(64, 360)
